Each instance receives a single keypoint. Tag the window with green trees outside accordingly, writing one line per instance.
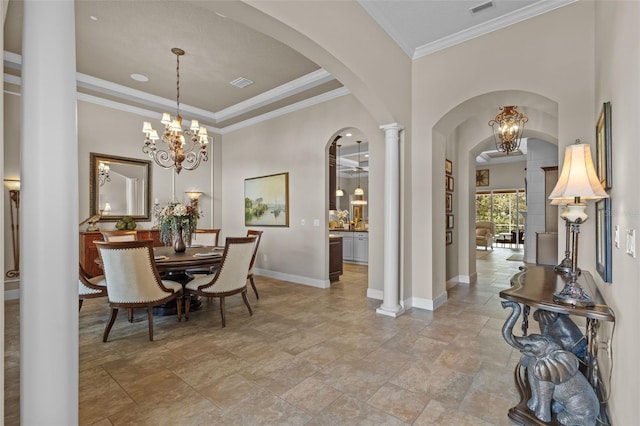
(503, 208)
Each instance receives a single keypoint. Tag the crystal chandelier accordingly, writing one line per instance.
(178, 150)
(103, 173)
(507, 128)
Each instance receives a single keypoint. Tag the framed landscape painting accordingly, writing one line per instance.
(603, 146)
(603, 239)
(266, 200)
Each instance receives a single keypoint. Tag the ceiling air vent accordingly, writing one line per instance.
(241, 82)
(482, 6)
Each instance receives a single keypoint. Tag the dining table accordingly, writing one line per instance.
(174, 266)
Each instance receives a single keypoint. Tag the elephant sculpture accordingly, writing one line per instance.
(563, 330)
(554, 376)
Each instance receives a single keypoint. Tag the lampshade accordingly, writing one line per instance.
(193, 195)
(12, 184)
(358, 191)
(578, 177)
(339, 193)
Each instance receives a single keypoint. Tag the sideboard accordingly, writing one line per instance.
(533, 287)
(89, 251)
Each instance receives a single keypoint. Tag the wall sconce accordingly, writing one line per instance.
(193, 196)
(13, 185)
(578, 180)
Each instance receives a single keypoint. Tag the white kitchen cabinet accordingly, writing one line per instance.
(361, 247)
(347, 245)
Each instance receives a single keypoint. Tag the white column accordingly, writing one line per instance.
(390, 299)
(49, 208)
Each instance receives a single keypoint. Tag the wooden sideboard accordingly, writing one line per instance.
(89, 251)
(534, 287)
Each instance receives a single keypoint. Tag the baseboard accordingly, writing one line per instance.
(297, 279)
(375, 294)
(428, 304)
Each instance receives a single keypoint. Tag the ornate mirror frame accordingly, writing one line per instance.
(125, 186)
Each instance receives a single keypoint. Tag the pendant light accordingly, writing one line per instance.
(359, 190)
(339, 192)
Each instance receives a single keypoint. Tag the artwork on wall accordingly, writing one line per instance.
(482, 177)
(449, 237)
(603, 146)
(448, 202)
(448, 167)
(266, 200)
(603, 239)
(449, 183)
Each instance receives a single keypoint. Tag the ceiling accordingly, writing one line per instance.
(220, 50)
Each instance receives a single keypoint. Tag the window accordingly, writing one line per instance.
(502, 207)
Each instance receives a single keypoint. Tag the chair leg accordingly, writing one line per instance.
(224, 324)
(253, 285)
(187, 305)
(179, 301)
(114, 314)
(150, 315)
(130, 314)
(246, 302)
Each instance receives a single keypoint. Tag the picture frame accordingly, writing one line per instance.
(266, 200)
(448, 202)
(449, 221)
(449, 183)
(448, 167)
(482, 177)
(603, 239)
(603, 146)
(449, 237)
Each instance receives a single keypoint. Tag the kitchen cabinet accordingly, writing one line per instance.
(355, 246)
(335, 257)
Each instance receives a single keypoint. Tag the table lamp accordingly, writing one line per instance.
(578, 180)
(565, 266)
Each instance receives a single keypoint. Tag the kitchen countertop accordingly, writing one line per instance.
(348, 230)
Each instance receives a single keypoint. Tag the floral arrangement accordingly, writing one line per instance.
(342, 214)
(176, 217)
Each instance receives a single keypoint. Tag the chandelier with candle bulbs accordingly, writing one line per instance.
(104, 175)
(507, 128)
(185, 149)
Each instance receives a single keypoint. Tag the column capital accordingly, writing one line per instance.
(392, 126)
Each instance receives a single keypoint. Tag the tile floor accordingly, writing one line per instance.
(306, 357)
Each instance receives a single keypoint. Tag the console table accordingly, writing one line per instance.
(533, 287)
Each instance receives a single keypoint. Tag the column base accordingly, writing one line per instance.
(399, 310)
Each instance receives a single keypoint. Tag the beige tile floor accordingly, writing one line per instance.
(306, 357)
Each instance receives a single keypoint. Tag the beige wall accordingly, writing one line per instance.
(617, 81)
(298, 143)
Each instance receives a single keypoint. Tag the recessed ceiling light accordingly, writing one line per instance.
(140, 77)
(93, 18)
(348, 135)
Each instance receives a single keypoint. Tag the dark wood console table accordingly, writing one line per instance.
(534, 287)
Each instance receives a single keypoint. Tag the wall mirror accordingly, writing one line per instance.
(119, 186)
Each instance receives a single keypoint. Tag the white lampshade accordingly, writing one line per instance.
(146, 127)
(358, 191)
(166, 118)
(12, 184)
(578, 177)
(195, 125)
(193, 195)
(339, 193)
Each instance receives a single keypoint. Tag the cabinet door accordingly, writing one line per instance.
(347, 246)
(361, 248)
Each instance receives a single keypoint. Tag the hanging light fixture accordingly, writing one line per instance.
(103, 173)
(507, 128)
(178, 151)
(359, 190)
(339, 192)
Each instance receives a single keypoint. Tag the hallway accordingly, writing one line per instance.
(307, 356)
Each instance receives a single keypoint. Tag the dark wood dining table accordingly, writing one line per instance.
(174, 266)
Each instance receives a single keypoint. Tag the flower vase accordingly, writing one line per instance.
(178, 243)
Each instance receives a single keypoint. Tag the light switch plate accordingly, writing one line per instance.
(301, 222)
(631, 242)
(316, 222)
(616, 236)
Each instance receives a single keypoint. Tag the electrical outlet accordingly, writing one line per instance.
(616, 237)
(316, 222)
(631, 242)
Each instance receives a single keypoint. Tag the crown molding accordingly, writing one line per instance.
(492, 25)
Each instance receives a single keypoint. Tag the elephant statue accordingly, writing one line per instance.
(554, 376)
(563, 330)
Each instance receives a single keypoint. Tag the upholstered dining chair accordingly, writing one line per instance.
(114, 236)
(90, 287)
(229, 279)
(257, 235)
(133, 280)
(206, 237)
